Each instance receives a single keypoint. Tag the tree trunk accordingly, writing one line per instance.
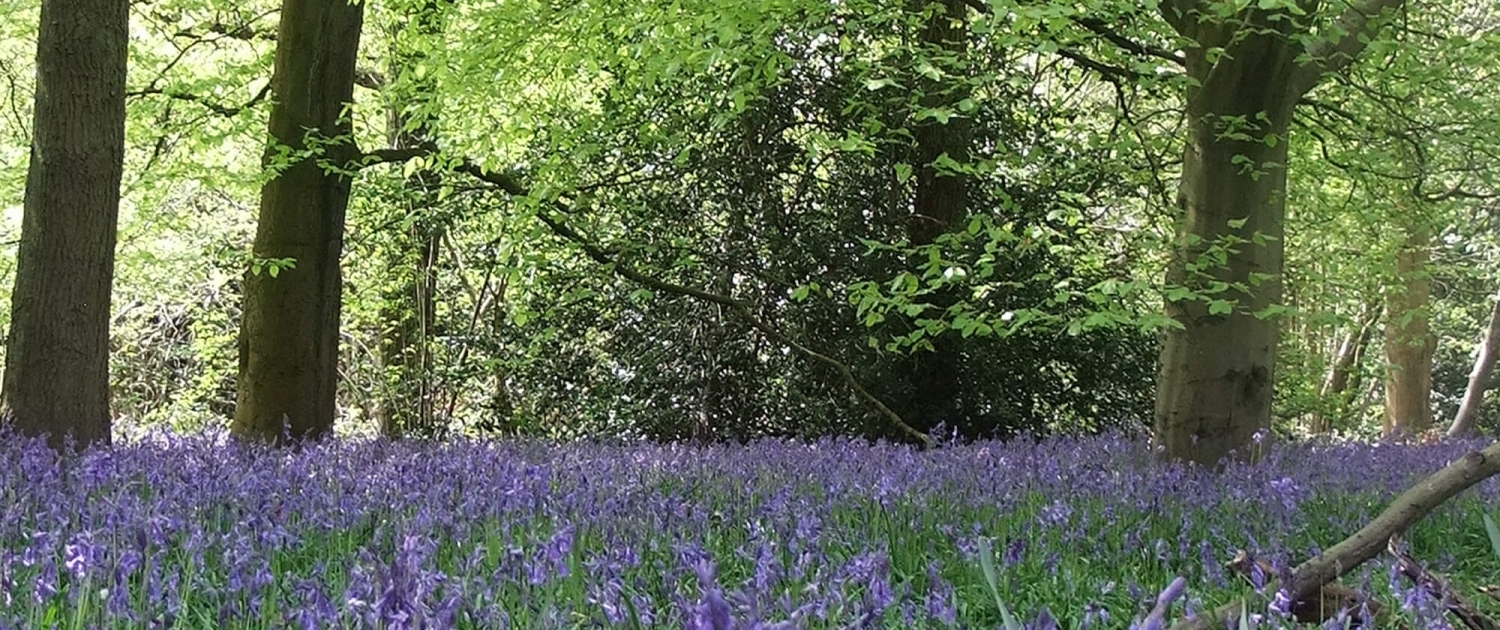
(1409, 342)
(1479, 379)
(406, 344)
(1217, 371)
(57, 354)
(1342, 377)
(1214, 389)
(289, 334)
(941, 202)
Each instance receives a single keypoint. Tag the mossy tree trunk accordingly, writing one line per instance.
(57, 352)
(289, 334)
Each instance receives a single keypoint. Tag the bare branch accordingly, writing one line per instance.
(1440, 589)
(244, 32)
(1109, 71)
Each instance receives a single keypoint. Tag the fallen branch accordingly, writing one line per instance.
(1368, 542)
(1439, 588)
(1327, 603)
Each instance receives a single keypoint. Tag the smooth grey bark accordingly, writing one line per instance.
(1214, 388)
(1479, 378)
(289, 334)
(57, 351)
(1409, 342)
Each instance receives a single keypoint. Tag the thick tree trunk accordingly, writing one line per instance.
(1342, 377)
(1217, 371)
(1409, 342)
(940, 204)
(1479, 379)
(289, 335)
(1214, 390)
(57, 353)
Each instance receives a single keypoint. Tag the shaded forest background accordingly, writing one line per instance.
(971, 209)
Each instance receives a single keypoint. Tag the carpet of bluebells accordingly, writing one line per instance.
(198, 532)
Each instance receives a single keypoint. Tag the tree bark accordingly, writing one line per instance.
(1479, 378)
(289, 334)
(1217, 371)
(1214, 388)
(57, 353)
(940, 203)
(1409, 342)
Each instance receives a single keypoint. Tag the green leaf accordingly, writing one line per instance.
(1494, 534)
(1220, 307)
(903, 172)
(941, 114)
(992, 578)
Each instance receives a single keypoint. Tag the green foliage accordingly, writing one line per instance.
(766, 151)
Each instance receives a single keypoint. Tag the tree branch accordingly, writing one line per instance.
(1440, 589)
(1109, 71)
(369, 78)
(227, 111)
(1354, 28)
(244, 32)
(1368, 542)
(1101, 29)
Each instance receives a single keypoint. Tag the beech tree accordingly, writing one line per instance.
(1249, 68)
(940, 203)
(1409, 342)
(57, 352)
(289, 337)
